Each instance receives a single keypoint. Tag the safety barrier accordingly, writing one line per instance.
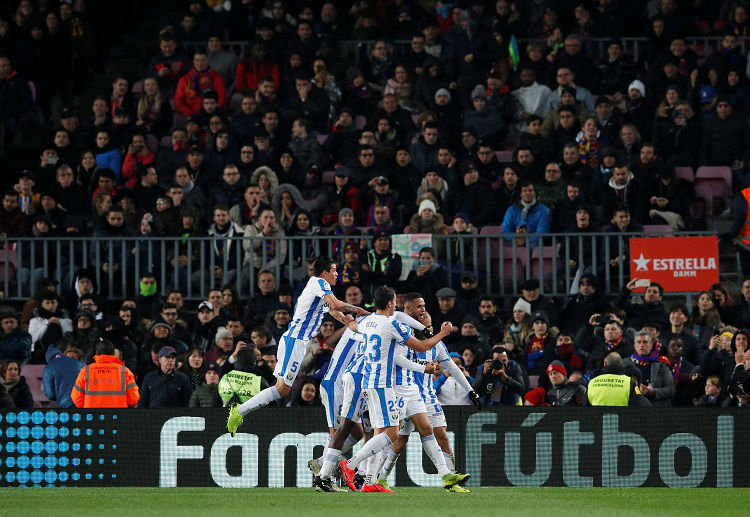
(500, 261)
(516, 446)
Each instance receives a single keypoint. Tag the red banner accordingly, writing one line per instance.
(679, 264)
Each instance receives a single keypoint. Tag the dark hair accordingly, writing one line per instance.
(383, 294)
(658, 286)
(487, 298)
(427, 249)
(621, 207)
(322, 264)
(263, 331)
(105, 347)
(679, 307)
(410, 297)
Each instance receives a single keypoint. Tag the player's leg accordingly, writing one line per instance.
(291, 352)
(441, 435)
(431, 447)
(392, 453)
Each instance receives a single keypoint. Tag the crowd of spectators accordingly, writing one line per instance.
(295, 137)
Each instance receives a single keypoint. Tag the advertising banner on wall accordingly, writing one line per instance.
(408, 246)
(679, 264)
(578, 447)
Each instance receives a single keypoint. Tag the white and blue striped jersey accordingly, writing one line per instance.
(424, 380)
(404, 376)
(357, 363)
(382, 336)
(309, 310)
(343, 355)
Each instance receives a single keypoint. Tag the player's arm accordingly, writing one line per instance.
(407, 320)
(336, 304)
(445, 360)
(346, 319)
(335, 337)
(425, 345)
(402, 361)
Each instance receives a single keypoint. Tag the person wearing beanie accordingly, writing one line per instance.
(427, 219)
(207, 394)
(535, 397)
(615, 70)
(462, 250)
(563, 392)
(473, 197)
(540, 344)
(49, 324)
(580, 306)
(484, 117)
(518, 329)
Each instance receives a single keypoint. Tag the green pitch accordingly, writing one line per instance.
(267, 502)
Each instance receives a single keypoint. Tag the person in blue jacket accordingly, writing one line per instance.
(14, 343)
(525, 216)
(60, 374)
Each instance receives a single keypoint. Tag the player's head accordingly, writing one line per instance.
(385, 298)
(414, 305)
(323, 266)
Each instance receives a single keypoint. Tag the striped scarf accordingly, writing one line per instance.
(613, 345)
(676, 367)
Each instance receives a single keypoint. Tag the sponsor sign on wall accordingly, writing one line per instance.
(679, 264)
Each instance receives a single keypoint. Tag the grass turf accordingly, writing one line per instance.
(266, 502)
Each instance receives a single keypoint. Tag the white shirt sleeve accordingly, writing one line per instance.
(403, 362)
(407, 320)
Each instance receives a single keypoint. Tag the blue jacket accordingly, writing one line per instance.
(110, 160)
(537, 221)
(16, 345)
(60, 376)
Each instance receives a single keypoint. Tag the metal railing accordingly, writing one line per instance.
(500, 261)
(595, 47)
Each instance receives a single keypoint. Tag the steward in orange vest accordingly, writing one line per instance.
(107, 383)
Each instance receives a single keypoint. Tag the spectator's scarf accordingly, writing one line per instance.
(656, 350)
(611, 346)
(350, 275)
(645, 360)
(589, 150)
(526, 207)
(676, 367)
(568, 355)
(537, 341)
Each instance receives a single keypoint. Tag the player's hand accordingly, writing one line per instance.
(446, 328)
(359, 311)
(427, 333)
(475, 399)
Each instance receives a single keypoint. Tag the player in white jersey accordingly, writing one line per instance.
(312, 305)
(332, 392)
(382, 336)
(414, 303)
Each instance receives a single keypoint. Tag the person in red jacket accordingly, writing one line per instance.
(251, 69)
(191, 87)
(107, 383)
(138, 153)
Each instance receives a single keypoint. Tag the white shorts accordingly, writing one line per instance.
(353, 400)
(435, 416)
(410, 402)
(382, 404)
(289, 355)
(332, 395)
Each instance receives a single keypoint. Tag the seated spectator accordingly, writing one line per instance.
(165, 387)
(15, 384)
(657, 384)
(704, 318)
(207, 394)
(615, 71)
(484, 118)
(563, 392)
(278, 320)
(473, 198)
(724, 138)
(533, 138)
(60, 374)
(518, 329)
(273, 251)
(448, 390)
(461, 249)
(621, 223)
(194, 365)
(222, 348)
(566, 78)
(307, 396)
(308, 101)
(649, 309)
(579, 308)
(526, 216)
(48, 325)
(552, 190)
(573, 58)
(670, 198)
(427, 220)
(531, 97)
(635, 108)
(553, 122)
(193, 86)
(501, 383)
(589, 143)
(539, 346)
(427, 278)
(153, 112)
(169, 64)
(107, 156)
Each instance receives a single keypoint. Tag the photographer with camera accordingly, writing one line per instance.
(500, 381)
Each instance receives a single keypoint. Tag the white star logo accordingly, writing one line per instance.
(641, 263)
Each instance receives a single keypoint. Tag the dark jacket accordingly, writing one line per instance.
(660, 377)
(496, 392)
(641, 313)
(566, 394)
(60, 376)
(165, 390)
(21, 394)
(206, 395)
(16, 345)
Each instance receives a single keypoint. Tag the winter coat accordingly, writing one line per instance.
(160, 390)
(567, 394)
(206, 395)
(275, 249)
(16, 345)
(60, 376)
(21, 393)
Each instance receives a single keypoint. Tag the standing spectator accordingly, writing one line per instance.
(165, 387)
(16, 97)
(194, 85)
(428, 277)
(725, 139)
(60, 374)
(169, 64)
(48, 325)
(308, 101)
(566, 78)
(611, 340)
(107, 383)
(15, 384)
(253, 67)
(657, 384)
(532, 98)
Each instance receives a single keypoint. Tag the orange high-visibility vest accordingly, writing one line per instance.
(107, 383)
(744, 235)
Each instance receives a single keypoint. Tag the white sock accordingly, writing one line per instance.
(263, 398)
(450, 461)
(319, 460)
(348, 444)
(390, 462)
(370, 448)
(372, 463)
(382, 456)
(431, 447)
(330, 460)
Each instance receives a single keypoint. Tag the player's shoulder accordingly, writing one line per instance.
(319, 283)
